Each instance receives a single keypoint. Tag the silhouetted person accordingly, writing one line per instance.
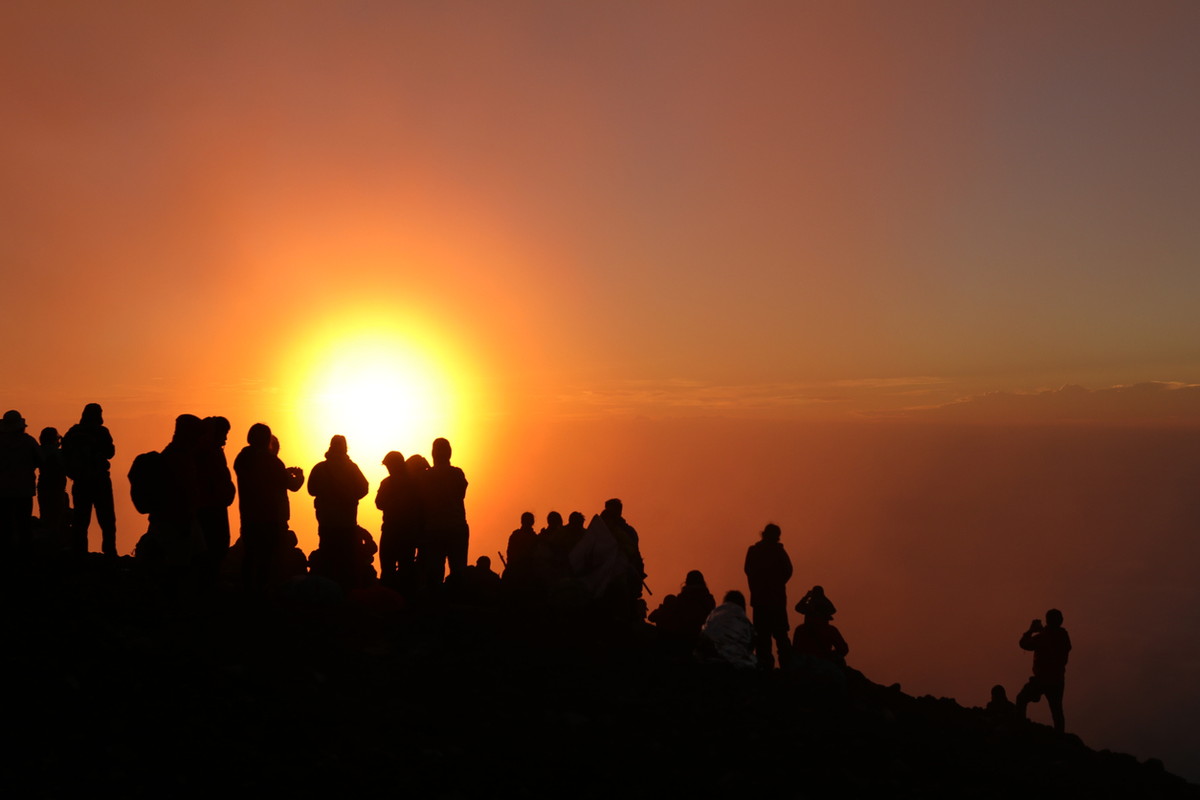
(263, 486)
(1051, 646)
(477, 585)
(695, 602)
(19, 460)
(87, 449)
(295, 482)
(554, 526)
(685, 613)
(728, 635)
(337, 484)
(613, 516)
(522, 582)
(554, 550)
(818, 648)
(444, 490)
(681, 617)
(768, 569)
(816, 638)
(216, 492)
(816, 604)
(572, 532)
(999, 705)
(53, 505)
(608, 566)
(399, 498)
(628, 540)
(521, 543)
(175, 523)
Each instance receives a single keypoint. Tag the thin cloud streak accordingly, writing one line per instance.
(1151, 403)
(791, 399)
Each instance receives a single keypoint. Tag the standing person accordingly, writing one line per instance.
(295, 480)
(627, 538)
(53, 504)
(768, 569)
(521, 544)
(19, 460)
(337, 484)
(263, 485)
(608, 564)
(176, 523)
(445, 491)
(399, 498)
(87, 448)
(216, 493)
(1051, 645)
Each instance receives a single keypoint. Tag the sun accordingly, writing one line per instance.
(377, 397)
(381, 386)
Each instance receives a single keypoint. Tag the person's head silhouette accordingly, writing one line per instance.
(441, 452)
(259, 435)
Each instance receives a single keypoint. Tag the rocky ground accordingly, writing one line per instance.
(114, 686)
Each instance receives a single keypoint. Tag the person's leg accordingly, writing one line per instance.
(82, 494)
(783, 646)
(1031, 692)
(1054, 698)
(106, 518)
(762, 640)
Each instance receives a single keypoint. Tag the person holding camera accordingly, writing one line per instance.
(1050, 646)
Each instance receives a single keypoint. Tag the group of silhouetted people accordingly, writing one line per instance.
(40, 468)
(595, 565)
(425, 530)
(692, 623)
(186, 490)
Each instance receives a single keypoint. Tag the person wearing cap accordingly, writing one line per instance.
(87, 448)
(19, 461)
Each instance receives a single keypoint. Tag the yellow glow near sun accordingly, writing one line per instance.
(381, 386)
(373, 395)
(386, 380)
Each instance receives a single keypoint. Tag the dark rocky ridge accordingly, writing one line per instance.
(112, 686)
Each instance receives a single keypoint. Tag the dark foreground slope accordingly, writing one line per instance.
(111, 686)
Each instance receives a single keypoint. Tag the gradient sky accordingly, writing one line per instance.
(570, 222)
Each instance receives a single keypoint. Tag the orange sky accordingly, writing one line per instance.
(648, 250)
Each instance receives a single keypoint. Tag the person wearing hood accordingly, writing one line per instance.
(337, 484)
(263, 486)
(728, 635)
(768, 569)
(87, 449)
(19, 460)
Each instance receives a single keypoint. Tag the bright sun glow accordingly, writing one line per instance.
(382, 387)
(374, 394)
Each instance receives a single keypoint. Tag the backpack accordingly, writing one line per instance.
(147, 481)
